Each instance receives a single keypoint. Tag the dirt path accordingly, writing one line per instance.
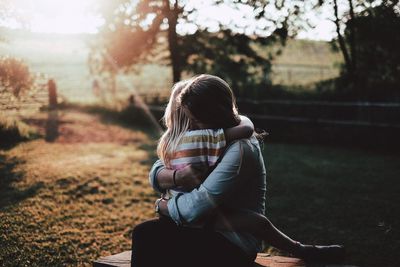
(68, 201)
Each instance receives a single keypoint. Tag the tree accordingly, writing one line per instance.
(368, 37)
(137, 33)
(348, 56)
(230, 55)
(132, 32)
(15, 76)
(376, 52)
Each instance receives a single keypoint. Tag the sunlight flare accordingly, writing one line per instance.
(59, 16)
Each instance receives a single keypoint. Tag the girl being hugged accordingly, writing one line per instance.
(184, 144)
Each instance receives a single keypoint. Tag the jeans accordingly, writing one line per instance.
(162, 243)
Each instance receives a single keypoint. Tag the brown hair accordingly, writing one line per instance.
(211, 101)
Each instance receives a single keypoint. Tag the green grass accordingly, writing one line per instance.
(308, 52)
(72, 200)
(69, 201)
(335, 195)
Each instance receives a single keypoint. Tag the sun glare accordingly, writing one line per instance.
(59, 16)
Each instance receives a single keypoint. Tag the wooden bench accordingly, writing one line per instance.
(124, 260)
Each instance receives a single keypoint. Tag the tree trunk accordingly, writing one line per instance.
(342, 43)
(352, 38)
(172, 14)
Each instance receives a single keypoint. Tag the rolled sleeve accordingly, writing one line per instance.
(187, 208)
(157, 167)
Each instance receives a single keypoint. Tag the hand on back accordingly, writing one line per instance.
(191, 176)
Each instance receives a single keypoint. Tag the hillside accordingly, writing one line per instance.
(62, 57)
(308, 52)
(65, 58)
(303, 62)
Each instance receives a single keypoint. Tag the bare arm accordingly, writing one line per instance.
(187, 178)
(245, 129)
(165, 179)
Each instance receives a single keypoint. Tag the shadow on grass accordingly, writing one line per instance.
(130, 117)
(15, 133)
(9, 194)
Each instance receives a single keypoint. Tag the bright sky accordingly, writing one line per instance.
(74, 16)
(57, 16)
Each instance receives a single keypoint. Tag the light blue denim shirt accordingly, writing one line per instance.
(237, 183)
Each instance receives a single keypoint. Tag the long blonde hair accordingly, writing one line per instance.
(176, 122)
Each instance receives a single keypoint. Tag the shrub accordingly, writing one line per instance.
(15, 76)
(13, 131)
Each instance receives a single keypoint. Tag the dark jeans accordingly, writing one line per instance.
(161, 243)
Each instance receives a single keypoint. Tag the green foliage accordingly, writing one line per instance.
(138, 32)
(377, 49)
(372, 70)
(124, 41)
(229, 55)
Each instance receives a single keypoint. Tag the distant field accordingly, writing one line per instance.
(304, 62)
(64, 58)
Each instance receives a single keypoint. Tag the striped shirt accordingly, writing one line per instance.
(198, 146)
(202, 146)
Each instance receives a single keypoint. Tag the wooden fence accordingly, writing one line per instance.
(320, 112)
(42, 94)
(354, 123)
(316, 112)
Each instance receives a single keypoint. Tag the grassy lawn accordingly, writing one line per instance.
(335, 195)
(67, 202)
(72, 200)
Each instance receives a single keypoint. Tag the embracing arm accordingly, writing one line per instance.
(159, 184)
(187, 178)
(245, 129)
(192, 206)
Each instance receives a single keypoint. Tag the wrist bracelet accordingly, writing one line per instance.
(174, 178)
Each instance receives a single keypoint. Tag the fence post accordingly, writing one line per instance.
(52, 88)
(131, 99)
